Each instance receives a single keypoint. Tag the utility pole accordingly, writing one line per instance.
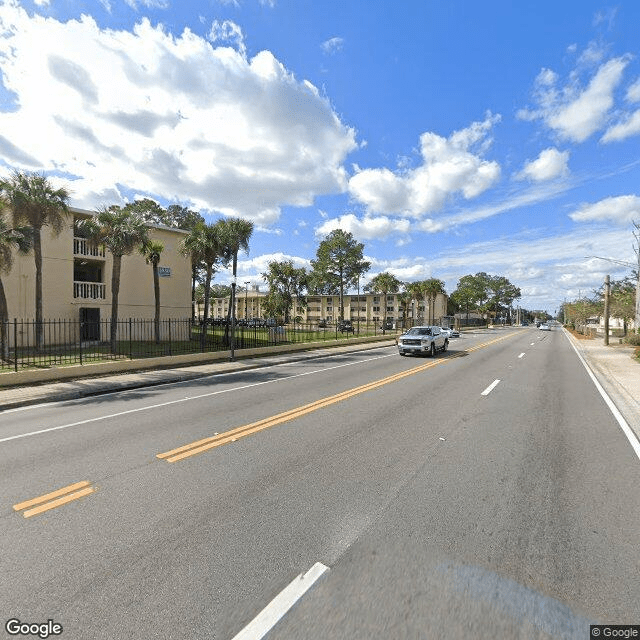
(636, 235)
(607, 287)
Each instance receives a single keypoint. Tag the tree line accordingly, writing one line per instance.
(622, 304)
(486, 294)
(340, 265)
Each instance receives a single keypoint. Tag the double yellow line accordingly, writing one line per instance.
(54, 499)
(200, 446)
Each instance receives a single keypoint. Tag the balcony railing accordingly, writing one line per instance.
(89, 290)
(85, 247)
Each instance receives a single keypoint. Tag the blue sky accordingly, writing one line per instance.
(450, 137)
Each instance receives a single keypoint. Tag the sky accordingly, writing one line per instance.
(448, 136)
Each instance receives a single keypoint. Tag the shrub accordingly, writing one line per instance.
(634, 339)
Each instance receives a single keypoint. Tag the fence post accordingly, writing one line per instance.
(80, 338)
(170, 353)
(15, 345)
(130, 342)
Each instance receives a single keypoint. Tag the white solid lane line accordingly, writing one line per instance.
(490, 388)
(521, 355)
(170, 402)
(627, 430)
(276, 609)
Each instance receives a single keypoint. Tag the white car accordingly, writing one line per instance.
(426, 340)
(545, 327)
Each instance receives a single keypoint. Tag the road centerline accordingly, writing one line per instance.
(204, 444)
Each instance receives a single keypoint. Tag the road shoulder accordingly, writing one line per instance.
(618, 372)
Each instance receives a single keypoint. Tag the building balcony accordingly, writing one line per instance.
(87, 248)
(89, 290)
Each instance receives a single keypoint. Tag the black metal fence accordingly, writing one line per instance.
(72, 342)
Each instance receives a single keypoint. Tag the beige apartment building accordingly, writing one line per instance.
(77, 279)
(369, 308)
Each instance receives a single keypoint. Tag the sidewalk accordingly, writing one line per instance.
(15, 397)
(618, 372)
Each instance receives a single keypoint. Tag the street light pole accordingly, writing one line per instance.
(358, 304)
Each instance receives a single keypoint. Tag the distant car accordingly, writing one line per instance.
(545, 327)
(454, 333)
(322, 324)
(271, 322)
(388, 325)
(525, 324)
(345, 326)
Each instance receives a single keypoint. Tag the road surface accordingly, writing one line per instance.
(485, 493)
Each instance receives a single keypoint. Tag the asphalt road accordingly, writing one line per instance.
(442, 503)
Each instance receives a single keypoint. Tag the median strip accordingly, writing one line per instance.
(57, 498)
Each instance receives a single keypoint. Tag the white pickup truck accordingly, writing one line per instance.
(423, 340)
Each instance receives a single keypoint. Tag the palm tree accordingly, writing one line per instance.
(235, 235)
(152, 251)
(203, 246)
(10, 239)
(404, 299)
(431, 288)
(384, 283)
(414, 289)
(121, 232)
(35, 203)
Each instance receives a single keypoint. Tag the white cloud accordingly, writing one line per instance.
(42, 3)
(633, 92)
(450, 166)
(573, 112)
(625, 129)
(167, 116)
(366, 228)
(149, 4)
(629, 123)
(546, 268)
(333, 45)
(550, 164)
(619, 209)
(227, 33)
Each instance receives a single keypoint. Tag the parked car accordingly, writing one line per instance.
(345, 326)
(322, 324)
(388, 325)
(454, 333)
(423, 340)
